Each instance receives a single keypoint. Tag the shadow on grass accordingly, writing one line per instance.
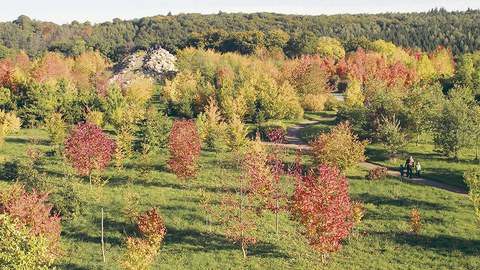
(444, 243)
(27, 141)
(400, 202)
(72, 266)
(198, 241)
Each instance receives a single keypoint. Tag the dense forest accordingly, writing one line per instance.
(239, 32)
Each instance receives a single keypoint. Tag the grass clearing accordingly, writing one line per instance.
(449, 238)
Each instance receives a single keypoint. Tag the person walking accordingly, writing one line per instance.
(402, 170)
(409, 163)
(418, 168)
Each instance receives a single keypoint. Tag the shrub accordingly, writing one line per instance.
(378, 173)
(415, 223)
(141, 252)
(358, 211)
(95, 117)
(185, 145)
(269, 126)
(31, 212)
(321, 204)
(340, 147)
(67, 198)
(151, 226)
(21, 250)
(8, 122)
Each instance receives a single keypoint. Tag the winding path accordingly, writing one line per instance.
(295, 142)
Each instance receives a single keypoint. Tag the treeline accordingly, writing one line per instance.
(239, 32)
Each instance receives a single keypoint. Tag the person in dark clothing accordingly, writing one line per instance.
(409, 163)
(402, 170)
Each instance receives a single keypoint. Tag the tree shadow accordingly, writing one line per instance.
(72, 266)
(27, 141)
(400, 202)
(443, 243)
(199, 241)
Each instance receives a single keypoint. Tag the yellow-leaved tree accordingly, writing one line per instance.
(340, 147)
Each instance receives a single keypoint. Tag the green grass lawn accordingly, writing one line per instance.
(449, 239)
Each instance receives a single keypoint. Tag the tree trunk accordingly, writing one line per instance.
(90, 180)
(103, 243)
(476, 150)
(244, 250)
(276, 217)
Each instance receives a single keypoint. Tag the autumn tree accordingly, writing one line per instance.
(237, 217)
(321, 204)
(141, 252)
(340, 147)
(8, 122)
(185, 145)
(89, 149)
(33, 218)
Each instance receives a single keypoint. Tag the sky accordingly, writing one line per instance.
(97, 11)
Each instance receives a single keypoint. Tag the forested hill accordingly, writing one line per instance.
(240, 32)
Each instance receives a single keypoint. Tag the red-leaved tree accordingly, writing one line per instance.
(185, 144)
(88, 148)
(322, 205)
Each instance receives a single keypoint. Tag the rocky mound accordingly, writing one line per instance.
(156, 64)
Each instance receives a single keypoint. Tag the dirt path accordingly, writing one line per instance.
(295, 142)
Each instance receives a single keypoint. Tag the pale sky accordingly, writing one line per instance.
(96, 11)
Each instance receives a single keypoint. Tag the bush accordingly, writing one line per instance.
(340, 147)
(269, 126)
(21, 250)
(32, 213)
(141, 252)
(379, 173)
(8, 122)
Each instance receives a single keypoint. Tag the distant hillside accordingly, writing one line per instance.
(458, 31)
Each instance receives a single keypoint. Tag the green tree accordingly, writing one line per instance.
(391, 135)
(451, 126)
(472, 179)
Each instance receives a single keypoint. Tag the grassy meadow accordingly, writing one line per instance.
(449, 238)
